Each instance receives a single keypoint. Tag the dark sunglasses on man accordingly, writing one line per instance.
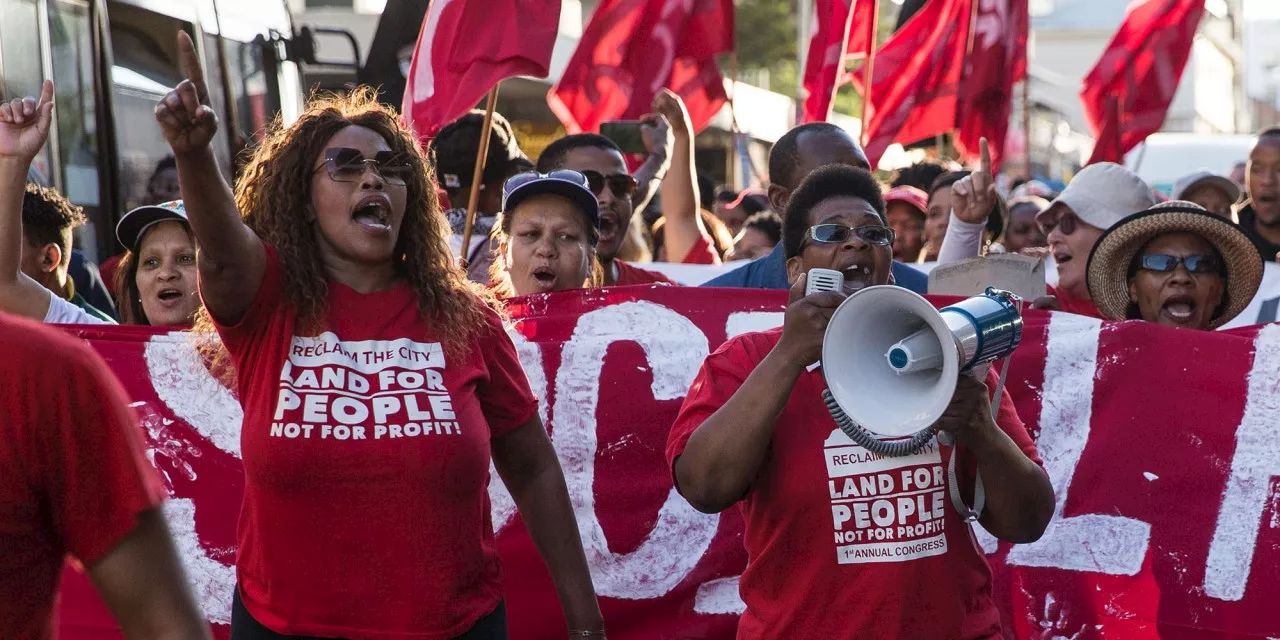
(345, 164)
(872, 234)
(621, 184)
(1163, 263)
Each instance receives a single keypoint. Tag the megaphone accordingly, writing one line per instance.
(891, 360)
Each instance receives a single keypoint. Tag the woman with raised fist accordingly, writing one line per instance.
(376, 384)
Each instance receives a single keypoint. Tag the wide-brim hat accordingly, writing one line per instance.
(134, 225)
(1112, 255)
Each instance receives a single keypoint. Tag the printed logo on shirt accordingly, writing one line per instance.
(885, 509)
(364, 390)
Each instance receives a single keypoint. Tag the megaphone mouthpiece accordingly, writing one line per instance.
(917, 352)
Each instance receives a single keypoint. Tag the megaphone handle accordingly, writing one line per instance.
(979, 495)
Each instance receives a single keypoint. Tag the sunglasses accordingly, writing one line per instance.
(621, 184)
(348, 165)
(521, 179)
(877, 235)
(1194, 264)
(1066, 222)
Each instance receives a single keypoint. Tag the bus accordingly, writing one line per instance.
(112, 60)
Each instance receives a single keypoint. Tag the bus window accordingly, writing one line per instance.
(145, 67)
(72, 54)
(248, 91)
(20, 64)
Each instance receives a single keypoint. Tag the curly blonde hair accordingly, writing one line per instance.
(273, 193)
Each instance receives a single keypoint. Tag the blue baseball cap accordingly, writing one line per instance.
(562, 182)
(134, 225)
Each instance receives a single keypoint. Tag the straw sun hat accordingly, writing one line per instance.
(1115, 251)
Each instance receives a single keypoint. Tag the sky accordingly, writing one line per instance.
(1262, 10)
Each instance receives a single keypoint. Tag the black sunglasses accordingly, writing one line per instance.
(621, 184)
(873, 234)
(345, 164)
(1066, 222)
(521, 179)
(1194, 264)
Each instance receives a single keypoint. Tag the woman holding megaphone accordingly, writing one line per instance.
(843, 542)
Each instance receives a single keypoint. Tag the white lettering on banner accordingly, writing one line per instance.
(212, 582)
(1098, 543)
(1255, 463)
(885, 509)
(718, 597)
(675, 348)
(501, 505)
(183, 383)
(747, 321)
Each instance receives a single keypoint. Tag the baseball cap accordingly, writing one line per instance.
(1103, 194)
(910, 195)
(563, 182)
(455, 147)
(134, 225)
(1205, 177)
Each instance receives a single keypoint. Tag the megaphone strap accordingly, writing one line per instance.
(953, 484)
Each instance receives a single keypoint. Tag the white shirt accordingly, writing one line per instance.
(63, 312)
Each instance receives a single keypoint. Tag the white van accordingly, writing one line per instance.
(1165, 157)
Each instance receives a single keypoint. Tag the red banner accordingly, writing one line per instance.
(632, 49)
(1160, 443)
(839, 31)
(1141, 69)
(996, 62)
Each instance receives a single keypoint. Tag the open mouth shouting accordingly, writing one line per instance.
(170, 297)
(373, 214)
(609, 226)
(858, 275)
(1179, 309)
(545, 278)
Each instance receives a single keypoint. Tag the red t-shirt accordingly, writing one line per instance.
(703, 252)
(1072, 304)
(73, 475)
(630, 274)
(366, 462)
(842, 543)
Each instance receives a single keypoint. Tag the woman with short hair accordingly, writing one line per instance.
(546, 235)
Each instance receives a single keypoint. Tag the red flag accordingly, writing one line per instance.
(997, 61)
(466, 47)
(1141, 68)
(837, 33)
(917, 77)
(634, 48)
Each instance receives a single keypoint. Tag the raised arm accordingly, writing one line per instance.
(232, 259)
(656, 132)
(24, 128)
(974, 197)
(680, 187)
(724, 454)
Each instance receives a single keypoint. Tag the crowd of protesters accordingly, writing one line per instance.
(335, 234)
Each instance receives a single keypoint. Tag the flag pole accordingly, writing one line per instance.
(1026, 121)
(734, 129)
(482, 153)
(869, 78)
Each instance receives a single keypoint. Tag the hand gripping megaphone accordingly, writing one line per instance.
(891, 360)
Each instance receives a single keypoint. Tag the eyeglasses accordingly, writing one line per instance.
(621, 184)
(1194, 264)
(521, 179)
(872, 234)
(348, 165)
(1066, 222)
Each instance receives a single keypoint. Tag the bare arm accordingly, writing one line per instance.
(658, 141)
(724, 454)
(528, 465)
(232, 259)
(1018, 493)
(24, 128)
(680, 187)
(142, 582)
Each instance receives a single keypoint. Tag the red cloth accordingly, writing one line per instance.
(917, 77)
(997, 61)
(366, 457)
(108, 272)
(816, 482)
(703, 252)
(466, 47)
(1072, 304)
(841, 30)
(73, 476)
(1141, 69)
(633, 48)
(629, 274)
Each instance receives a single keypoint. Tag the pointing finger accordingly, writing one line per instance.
(190, 98)
(46, 93)
(191, 67)
(985, 151)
